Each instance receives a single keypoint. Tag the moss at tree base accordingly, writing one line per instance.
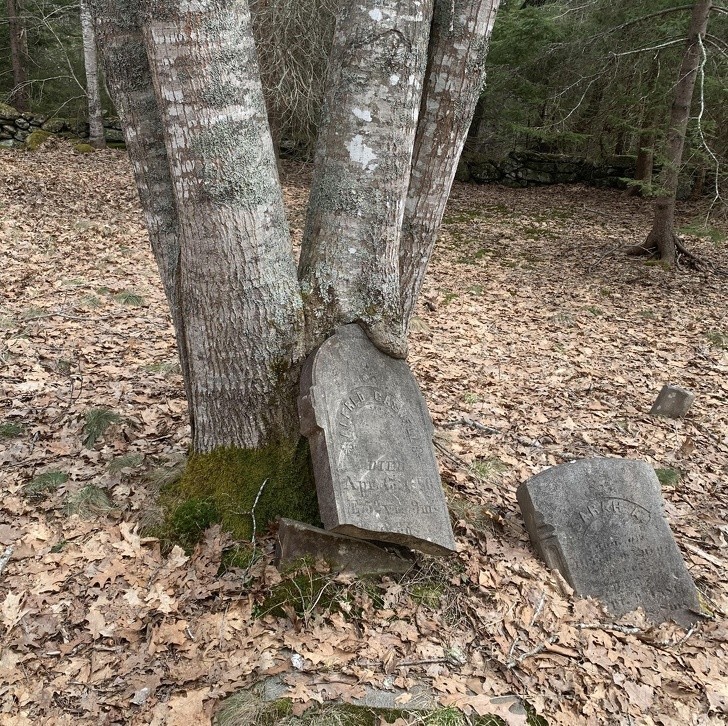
(222, 486)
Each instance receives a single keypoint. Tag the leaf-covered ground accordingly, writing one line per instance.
(536, 342)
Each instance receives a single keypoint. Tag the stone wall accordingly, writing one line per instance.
(16, 127)
(530, 168)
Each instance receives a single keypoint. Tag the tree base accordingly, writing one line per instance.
(244, 490)
(669, 249)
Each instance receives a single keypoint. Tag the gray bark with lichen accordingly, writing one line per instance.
(349, 266)
(455, 76)
(239, 295)
(119, 31)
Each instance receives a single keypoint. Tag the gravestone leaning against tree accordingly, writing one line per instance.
(404, 77)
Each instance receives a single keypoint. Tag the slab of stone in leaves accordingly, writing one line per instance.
(371, 445)
(672, 402)
(297, 540)
(600, 523)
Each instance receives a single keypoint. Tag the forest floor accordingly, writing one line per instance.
(537, 342)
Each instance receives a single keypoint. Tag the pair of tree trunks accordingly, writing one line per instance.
(662, 239)
(403, 81)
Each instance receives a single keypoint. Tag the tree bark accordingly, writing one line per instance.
(238, 292)
(129, 79)
(20, 96)
(93, 88)
(662, 237)
(349, 262)
(455, 75)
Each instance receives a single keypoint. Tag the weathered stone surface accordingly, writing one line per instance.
(297, 540)
(371, 445)
(600, 523)
(672, 402)
(54, 125)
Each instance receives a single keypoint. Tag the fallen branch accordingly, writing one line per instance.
(5, 558)
(538, 649)
(472, 423)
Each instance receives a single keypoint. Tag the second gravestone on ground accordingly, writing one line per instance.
(371, 446)
(600, 523)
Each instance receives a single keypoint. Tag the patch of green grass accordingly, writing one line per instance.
(32, 313)
(167, 475)
(698, 228)
(648, 314)
(97, 422)
(448, 297)
(88, 502)
(471, 398)
(91, 301)
(164, 368)
(46, 482)
(564, 318)
(595, 311)
(669, 477)
(130, 299)
(427, 593)
(533, 232)
(126, 462)
(474, 257)
(247, 708)
(486, 469)
(10, 430)
(718, 339)
(476, 290)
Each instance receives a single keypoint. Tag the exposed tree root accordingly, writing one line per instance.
(683, 256)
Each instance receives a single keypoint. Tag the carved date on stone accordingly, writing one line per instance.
(371, 446)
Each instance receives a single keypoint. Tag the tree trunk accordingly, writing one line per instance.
(455, 76)
(20, 96)
(129, 81)
(349, 262)
(662, 237)
(93, 89)
(239, 295)
(646, 139)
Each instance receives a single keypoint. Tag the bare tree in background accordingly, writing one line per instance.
(662, 238)
(293, 40)
(93, 87)
(20, 96)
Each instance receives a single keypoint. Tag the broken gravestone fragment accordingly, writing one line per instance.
(600, 523)
(297, 540)
(371, 445)
(672, 402)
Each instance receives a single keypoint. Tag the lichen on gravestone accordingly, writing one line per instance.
(600, 523)
(371, 444)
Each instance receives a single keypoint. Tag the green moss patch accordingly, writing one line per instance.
(223, 486)
(248, 709)
(36, 139)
